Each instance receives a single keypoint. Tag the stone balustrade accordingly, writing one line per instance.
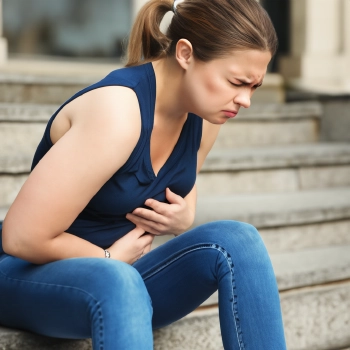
(320, 46)
(3, 42)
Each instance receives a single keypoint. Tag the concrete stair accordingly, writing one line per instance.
(271, 169)
(266, 124)
(55, 80)
(312, 283)
(267, 168)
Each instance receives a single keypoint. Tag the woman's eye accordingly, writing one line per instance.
(234, 84)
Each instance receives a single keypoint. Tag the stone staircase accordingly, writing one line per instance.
(267, 168)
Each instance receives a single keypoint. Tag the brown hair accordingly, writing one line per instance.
(214, 28)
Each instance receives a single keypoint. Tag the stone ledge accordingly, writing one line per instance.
(315, 318)
(297, 237)
(31, 79)
(12, 339)
(318, 317)
(257, 112)
(274, 180)
(48, 68)
(309, 236)
(261, 133)
(223, 160)
(18, 142)
(275, 210)
(266, 211)
(26, 112)
(283, 111)
(311, 267)
(3, 211)
(283, 156)
(307, 268)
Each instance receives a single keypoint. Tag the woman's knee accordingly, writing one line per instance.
(118, 274)
(229, 230)
(114, 280)
(235, 237)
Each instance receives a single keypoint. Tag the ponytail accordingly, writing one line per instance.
(214, 28)
(147, 42)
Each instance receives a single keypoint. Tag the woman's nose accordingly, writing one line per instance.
(243, 99)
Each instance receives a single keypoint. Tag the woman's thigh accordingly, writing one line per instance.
(228, 255)
(69, 298)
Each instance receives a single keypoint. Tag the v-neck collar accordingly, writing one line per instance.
(173, 155)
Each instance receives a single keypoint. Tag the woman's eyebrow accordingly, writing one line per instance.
(248, 83)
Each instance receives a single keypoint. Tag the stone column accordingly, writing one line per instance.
(318, 32)
(346, 22)
(346, 37)
(3, 42)
(136, 5)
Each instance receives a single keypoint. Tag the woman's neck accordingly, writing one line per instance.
(170, 102)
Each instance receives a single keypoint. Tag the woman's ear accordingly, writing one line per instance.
(184, 53)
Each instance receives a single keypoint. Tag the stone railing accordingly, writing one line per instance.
(3, 42)
(320, 43)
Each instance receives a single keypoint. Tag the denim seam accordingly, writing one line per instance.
(230, 264)
(100, 318)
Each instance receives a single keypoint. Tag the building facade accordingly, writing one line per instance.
(314, 35)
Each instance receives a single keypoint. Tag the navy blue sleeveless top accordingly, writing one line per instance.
(103, 220)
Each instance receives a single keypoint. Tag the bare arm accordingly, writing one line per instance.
(69, 175)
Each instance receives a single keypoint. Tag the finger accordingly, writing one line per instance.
(148, 215)
(148, 226)
(158, 207)
(172, 197)
(137, 232)
(147, 249)
(145, 241)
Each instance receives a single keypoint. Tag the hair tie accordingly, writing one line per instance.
(176, 2)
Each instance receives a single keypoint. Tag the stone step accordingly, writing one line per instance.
(297, 237)
(311, 283)
(26, 112)
(18, 142)
(307, 268)
(275, 169)
(48, 81)
(278, 209)
(272, 124)
(55, 80)
(305, 291)
(257, 158)
(311, 266)
(315, 318)
(266, 169)
(3, 211)
(22, 126)
(286, 222)
(295, 123)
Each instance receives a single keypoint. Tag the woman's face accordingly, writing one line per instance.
(217, 89)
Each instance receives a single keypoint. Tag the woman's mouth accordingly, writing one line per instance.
(230, 114)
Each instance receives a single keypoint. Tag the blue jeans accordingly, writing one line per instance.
(118, 305)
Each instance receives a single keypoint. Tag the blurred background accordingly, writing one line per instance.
(283, 165)
(80, 29)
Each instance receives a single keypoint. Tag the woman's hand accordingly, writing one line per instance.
(164, 219)
(132, 246)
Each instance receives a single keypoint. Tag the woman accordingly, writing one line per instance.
(117, 166)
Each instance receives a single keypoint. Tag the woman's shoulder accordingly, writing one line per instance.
(129, 76)
(112, 108)
(113, 99)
